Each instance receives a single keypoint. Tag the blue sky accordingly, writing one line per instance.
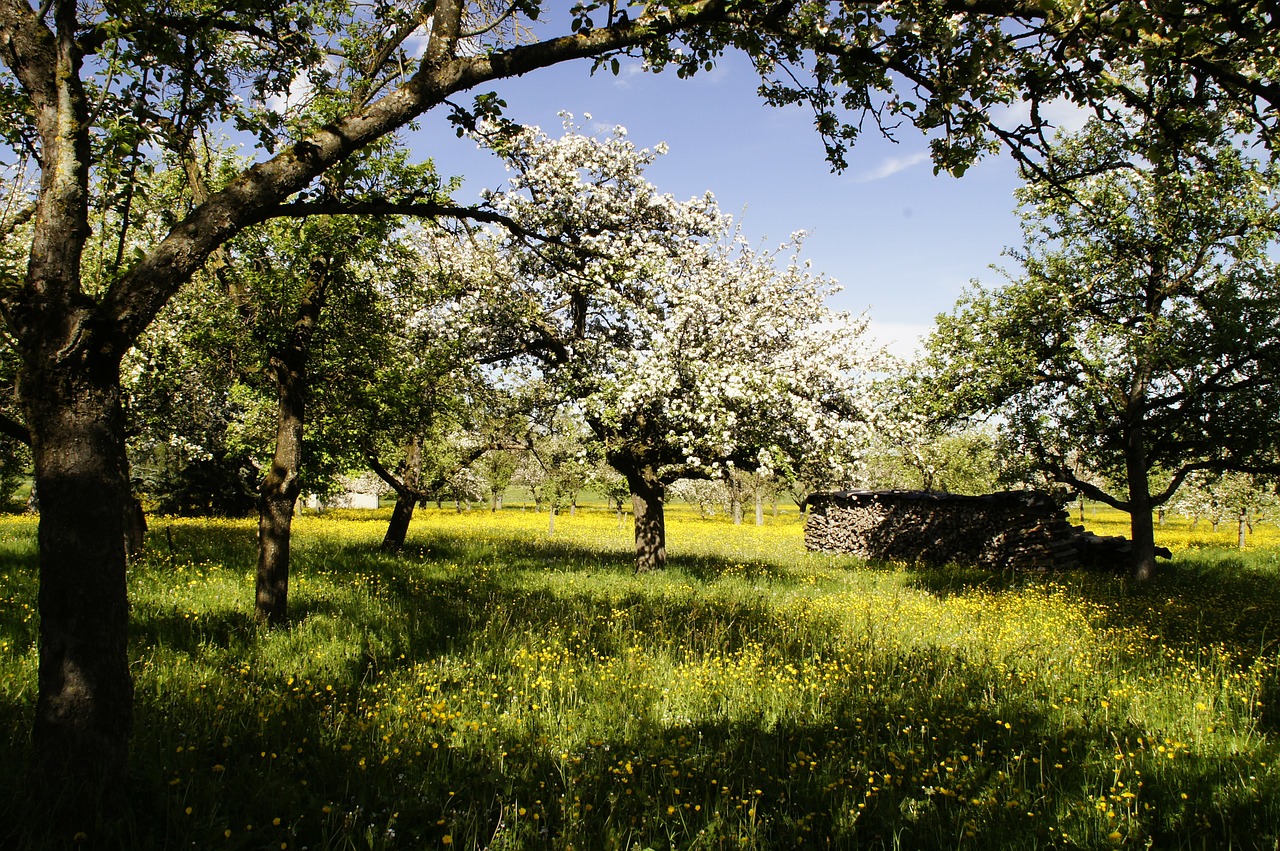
(902, 241)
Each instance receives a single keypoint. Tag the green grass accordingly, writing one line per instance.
(497, 687)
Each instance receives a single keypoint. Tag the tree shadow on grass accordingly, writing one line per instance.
(310, 750)
(924, 766)
(542, 554)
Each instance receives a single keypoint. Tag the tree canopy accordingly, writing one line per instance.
(1142, 331)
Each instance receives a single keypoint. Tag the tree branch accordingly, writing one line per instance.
(137, 296)
(11, 428)
(418, 209)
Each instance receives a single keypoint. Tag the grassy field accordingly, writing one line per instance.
(498, 687)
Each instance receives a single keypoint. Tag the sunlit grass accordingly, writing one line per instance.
(497, 686)
(1181, 533)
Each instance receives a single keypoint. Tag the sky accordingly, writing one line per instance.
(901, 241)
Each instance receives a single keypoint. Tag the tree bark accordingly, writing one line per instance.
(1141, 525)
(401, 517)
(647, 494)
(407, 497)
(84, 701)
(135, 527)
(279, 492)
(276, 500)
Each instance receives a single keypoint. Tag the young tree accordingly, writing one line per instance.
(316, 301)
(1143, 332)
(690, 353)
(92, 93)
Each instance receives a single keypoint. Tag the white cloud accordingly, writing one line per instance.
(299, 93)
(1062, 114)
(626, 74)
(891, 166)
(901, 339)
(1066, 115)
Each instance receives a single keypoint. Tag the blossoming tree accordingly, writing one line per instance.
(688, 351)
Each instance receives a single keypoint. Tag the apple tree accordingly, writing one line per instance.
(689, 352)
(1140, 337)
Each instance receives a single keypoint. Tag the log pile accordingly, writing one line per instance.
(1026, 530)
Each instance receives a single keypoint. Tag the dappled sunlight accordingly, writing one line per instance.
(498, 686)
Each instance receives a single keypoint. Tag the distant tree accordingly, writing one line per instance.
(1243, 498)
(709, 496)
(426, 412)
(197, 425)
(1143, 331)
(910, 453)
(496, 468)
(612, 485)
(15, 441)
(801, 478)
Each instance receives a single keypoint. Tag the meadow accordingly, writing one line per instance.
(496, 686)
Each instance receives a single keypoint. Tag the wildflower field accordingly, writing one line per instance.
(496, 686)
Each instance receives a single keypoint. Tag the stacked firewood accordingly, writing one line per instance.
(1025, 530)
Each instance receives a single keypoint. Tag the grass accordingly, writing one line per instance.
(498, 687)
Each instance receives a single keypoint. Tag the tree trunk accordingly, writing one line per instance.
(135, 527)
(1243, 528)
(407, 497)
(1141, 524)
(398, 528)
(277, 497)
(279, 491)
(759, 509)
(647, 494)
(84, 702)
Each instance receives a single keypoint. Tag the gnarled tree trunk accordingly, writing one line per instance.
(84, 701)
(647, 495)
(1141, 524)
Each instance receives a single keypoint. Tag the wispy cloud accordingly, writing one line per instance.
(891, 166)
